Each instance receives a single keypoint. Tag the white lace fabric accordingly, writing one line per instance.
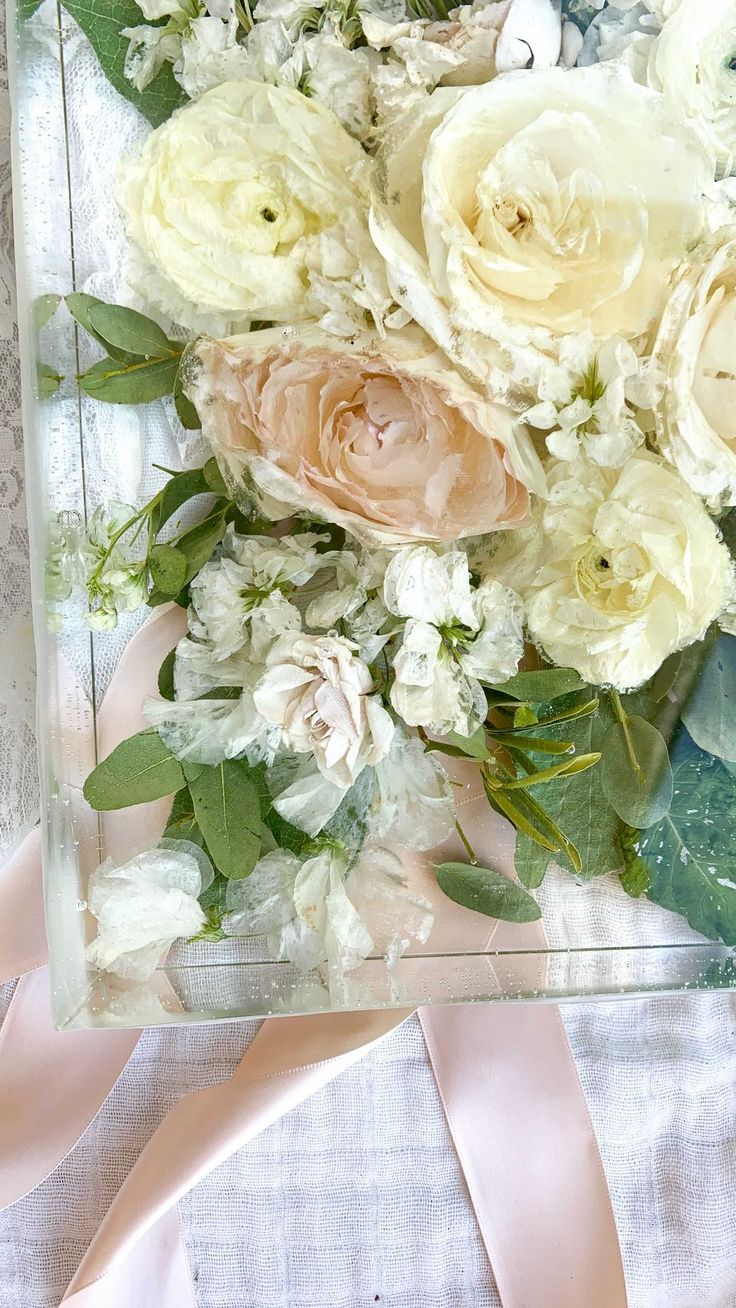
(356, 1197)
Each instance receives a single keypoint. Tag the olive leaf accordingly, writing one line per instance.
(168, 567)
(118, 382)
(125, 329)
(486, 891)
(165, 680)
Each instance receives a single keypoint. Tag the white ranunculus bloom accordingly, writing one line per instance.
(143, 906)
(536, 206)
(271, 173)
(693, 61)
(319, 693)
(586, 404)
(629, 569)
(696, 350)
(414, 805)
(455, 636)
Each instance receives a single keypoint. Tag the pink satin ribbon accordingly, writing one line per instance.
(505, 1075)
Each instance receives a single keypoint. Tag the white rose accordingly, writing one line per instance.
(696, 350)
(692, 62)
(145, 905)
(229, 198)
(455, 637)
(629, 569)
(537, 205)
(319, 693)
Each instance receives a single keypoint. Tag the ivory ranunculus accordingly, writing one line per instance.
(535, 206)
(229, 203)
(383, 438)
(629, 568)
(693, 61)
(319, 693)
(696, 350)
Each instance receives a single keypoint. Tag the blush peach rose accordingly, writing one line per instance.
(383, 438)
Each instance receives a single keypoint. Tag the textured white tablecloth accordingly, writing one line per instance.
(356, 1198)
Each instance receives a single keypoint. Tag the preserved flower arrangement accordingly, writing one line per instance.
(451, 294)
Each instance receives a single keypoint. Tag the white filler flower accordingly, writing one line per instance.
(143, 906)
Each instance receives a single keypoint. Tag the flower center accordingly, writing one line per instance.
(614, 580)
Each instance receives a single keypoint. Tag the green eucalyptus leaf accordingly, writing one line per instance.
(168, 568)
(43, 309)
(102, 22)
(185, 410)
(214, 478)
(199, 543)
(691, 853)
(227, 807)
(130, 331)
(139, 770)
(469, 746)
(580, 809)
(48, 380)
(166, 676)
(181, 487)
(541, 686)
(710, 712)
(488, 892)
(129, 383)
(80, 306)
(640, 795)
(181, 823)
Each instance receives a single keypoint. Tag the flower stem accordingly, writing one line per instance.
(468, 847)
(620, 712)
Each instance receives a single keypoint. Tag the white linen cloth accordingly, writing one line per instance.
(356, 1198)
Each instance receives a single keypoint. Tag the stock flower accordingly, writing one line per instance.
(628, 567)
(585, 403)
(143, 906)
(228, 200)
(696, 349)
(319, 693)
(382, 438)
(241, 595)
(535, 206)
(455, 636)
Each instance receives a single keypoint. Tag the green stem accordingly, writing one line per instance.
(468, 847)
(620, 712)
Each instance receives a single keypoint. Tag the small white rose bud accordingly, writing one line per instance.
(531, 36)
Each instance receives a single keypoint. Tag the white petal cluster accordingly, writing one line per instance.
(321, 910)
(454, 637)
(143, 906)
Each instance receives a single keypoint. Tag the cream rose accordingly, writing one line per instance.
(627, 568)
(319, 693)
(693, 61)
(534, 206)
(231, 201)
(696, 351)
(382, 438)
